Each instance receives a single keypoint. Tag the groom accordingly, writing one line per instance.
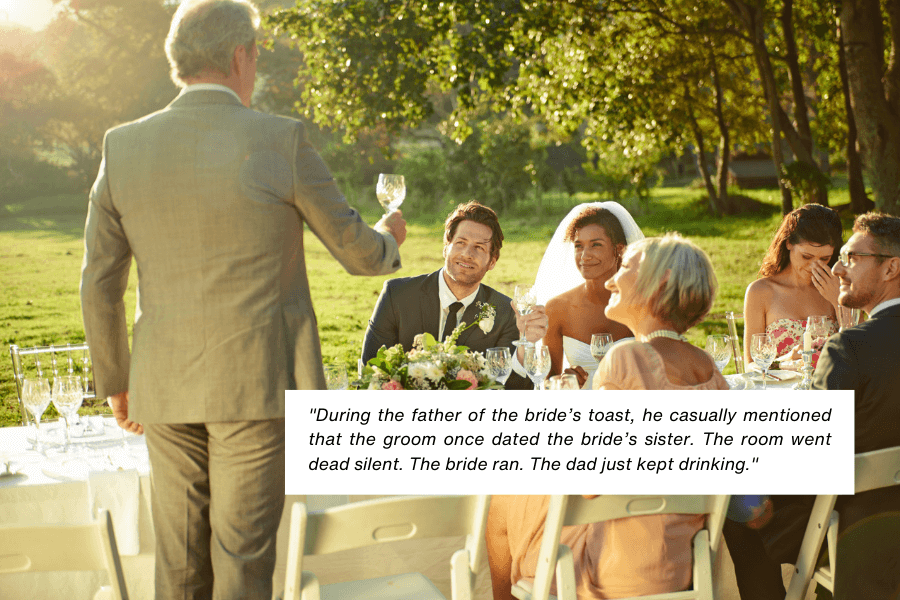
(436, 302)
(211, 198)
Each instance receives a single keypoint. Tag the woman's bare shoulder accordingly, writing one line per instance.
(761, 289)
(565, 300)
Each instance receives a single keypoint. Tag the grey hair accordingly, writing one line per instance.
(205, 33)
(675, 279)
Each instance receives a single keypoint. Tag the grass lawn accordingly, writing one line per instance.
(41, 250)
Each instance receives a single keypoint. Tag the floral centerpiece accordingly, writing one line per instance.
(432, 365)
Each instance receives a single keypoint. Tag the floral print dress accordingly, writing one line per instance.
(788, 333)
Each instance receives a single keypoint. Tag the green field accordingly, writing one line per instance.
(41, 251)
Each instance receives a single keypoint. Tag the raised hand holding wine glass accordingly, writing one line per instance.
(391, 190)
(525, 300)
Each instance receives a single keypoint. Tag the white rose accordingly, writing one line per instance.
(433, 371)
(486, 324)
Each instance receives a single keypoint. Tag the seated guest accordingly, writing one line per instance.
(863, 359)
(795, 281)
(436, 302)
(595, 235)
(665, 286)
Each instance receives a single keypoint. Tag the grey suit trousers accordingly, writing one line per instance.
(218, 495)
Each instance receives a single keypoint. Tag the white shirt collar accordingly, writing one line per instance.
(884, 305)
(447, 297)
(208, 87)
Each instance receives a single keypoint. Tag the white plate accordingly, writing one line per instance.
(782, 375)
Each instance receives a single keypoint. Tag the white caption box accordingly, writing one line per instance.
(707, 442)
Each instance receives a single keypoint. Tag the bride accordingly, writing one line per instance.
(585, 251)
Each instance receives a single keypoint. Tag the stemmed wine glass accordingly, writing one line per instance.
(391, 190)
(537, 363)
(763, 351)
(336, 377)
(499, 363)
(600, 345)
(525, 300)
(36, 397)
(67, 398)
(717, 347)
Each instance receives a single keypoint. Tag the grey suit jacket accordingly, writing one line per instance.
(210, 198)
(409, 306)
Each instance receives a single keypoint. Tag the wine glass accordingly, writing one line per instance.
(499, 363)
(36, 397)
(600, 345)
(525, 299)
(719, 350)
(336, 377)
(762, 351)
(566, 381)
(818, 330)
(67, 398)
(391, 190)
(537, 363)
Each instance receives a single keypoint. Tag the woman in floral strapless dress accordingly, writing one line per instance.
(795, 281)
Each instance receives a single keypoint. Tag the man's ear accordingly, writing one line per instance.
(892, 269)
(492, 264)
(445, 250)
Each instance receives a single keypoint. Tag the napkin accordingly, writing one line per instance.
(119, 493)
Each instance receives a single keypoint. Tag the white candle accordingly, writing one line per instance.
(807, 340)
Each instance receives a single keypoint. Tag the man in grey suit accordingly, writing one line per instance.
(210, 198)
(436, 302)
(866, 359)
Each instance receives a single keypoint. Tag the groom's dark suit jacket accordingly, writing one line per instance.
(409, 306)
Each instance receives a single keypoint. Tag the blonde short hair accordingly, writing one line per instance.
(675, 278)
(205, 33)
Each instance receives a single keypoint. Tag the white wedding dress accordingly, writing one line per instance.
(578, 354)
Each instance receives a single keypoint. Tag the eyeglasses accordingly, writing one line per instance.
(845, 255)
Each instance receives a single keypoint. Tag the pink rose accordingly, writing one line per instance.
(466, 375)
(393, 384)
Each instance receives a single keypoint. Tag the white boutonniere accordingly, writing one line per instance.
(486, 317)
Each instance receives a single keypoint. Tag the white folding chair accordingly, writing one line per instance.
(78, 362)
(379, 521)
(556, 558)
(873, 470)
(85, 547)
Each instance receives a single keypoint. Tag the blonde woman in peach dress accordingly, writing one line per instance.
(665, 286)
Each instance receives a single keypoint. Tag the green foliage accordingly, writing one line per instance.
(805, 180)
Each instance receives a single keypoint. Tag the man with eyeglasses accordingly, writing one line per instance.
(866, 359)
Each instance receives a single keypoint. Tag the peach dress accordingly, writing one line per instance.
(635, 556)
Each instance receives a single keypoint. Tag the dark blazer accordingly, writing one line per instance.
(409, 306)
(866, 359)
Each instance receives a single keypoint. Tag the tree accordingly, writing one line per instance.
(875, 93)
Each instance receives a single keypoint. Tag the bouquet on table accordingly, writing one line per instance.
(432, 365)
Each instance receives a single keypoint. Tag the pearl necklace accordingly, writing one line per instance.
(663, 333)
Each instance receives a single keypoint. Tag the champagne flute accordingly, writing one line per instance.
(763, 351)
(719, 350)
(525, 300)
(67, 398)
(499, 364)
(391, 190)
(336, 377)
(36, 397)
(537, 363)
(600, 345)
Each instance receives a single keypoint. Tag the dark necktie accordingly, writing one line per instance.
(450, 323)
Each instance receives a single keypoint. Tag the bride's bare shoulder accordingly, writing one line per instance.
(565, 300)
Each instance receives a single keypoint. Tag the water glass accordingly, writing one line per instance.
(499, 364)
(719, 349)
(36, 397)
(537, 363)
(336, 377)
(763, 352)
(67, 397)
(600, 345)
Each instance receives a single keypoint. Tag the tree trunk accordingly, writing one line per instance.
(874, 95)
(724, 138)
(859, 201)
(801, 115)
(715, 203)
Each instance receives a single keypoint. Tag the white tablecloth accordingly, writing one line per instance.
(46, 491)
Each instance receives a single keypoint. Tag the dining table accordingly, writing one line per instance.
(108, 468)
